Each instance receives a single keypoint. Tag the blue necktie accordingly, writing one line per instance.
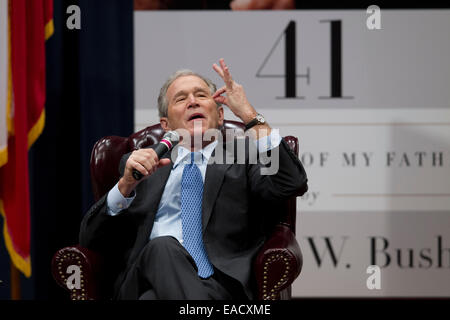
(191, 217)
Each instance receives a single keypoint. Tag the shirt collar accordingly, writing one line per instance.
(183, 153)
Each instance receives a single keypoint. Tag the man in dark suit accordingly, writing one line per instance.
(192, 226)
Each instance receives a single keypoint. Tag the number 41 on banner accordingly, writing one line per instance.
(290, 62)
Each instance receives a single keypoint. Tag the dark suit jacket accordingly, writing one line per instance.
(234, 199)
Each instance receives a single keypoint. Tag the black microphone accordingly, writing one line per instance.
(168, 141)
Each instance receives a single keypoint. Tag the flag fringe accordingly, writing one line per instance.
(21, 263)
(3, 156)
(37, 129)
(49, 29)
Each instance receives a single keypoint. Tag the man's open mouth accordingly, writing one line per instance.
(196, 116)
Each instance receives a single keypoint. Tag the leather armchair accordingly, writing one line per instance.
(276, 266)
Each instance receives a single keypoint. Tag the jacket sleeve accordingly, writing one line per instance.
(100, 231)
(281, 177)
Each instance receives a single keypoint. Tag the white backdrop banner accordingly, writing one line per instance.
(371, 109)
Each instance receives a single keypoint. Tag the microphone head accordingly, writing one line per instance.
(170, 139)
(172, 136)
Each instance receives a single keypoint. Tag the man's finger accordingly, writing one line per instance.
(218, 70)
(139, 167)
(221, 100)
(147, 151)
(226, 74)
(219, 92)
(144, 160)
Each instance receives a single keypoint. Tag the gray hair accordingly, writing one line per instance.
(163, 104)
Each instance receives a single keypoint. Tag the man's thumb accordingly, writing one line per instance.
(163, 162)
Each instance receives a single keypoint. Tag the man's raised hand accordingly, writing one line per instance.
(235, 97)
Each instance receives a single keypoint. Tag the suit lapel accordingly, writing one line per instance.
(215, 173)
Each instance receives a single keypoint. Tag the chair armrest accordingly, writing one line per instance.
(86, 287)
(277, 264)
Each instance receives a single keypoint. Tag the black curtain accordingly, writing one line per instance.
(89, 95)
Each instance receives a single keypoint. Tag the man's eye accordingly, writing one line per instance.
(180, 99)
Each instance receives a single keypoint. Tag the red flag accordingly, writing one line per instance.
(30, 24)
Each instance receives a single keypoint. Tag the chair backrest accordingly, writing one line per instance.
(108, 151)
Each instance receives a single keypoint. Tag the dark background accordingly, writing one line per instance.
(89, 95)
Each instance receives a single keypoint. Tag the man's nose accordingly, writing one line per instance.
(192, 101)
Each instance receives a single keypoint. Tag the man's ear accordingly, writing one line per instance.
(164, 123)
(221, 115)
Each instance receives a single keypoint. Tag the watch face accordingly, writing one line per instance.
(260, 119)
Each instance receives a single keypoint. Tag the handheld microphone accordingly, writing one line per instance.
(168, 141)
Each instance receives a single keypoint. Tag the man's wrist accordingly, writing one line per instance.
(249, 116)
(125, 189)
(258, 120)
(116, 201)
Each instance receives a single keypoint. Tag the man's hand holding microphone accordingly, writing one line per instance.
(143, 162)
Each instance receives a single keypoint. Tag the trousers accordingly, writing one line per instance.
(164, 270)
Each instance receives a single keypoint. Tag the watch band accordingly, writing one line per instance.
(251, 124)
(255, 121)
